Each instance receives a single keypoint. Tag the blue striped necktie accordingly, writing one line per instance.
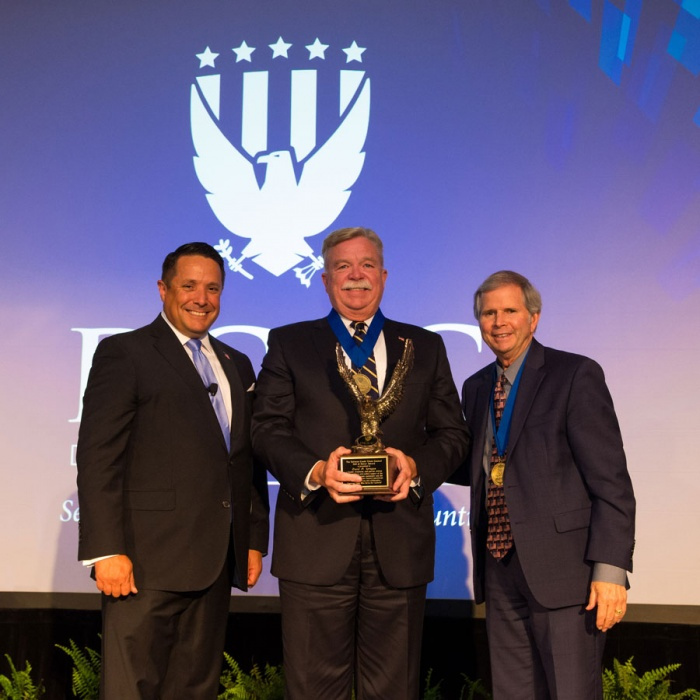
(369, 369)
(206, 372)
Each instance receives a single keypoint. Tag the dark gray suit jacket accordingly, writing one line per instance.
(155, 481)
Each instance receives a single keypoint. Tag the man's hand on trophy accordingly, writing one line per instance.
(405, 471)
(343, 487)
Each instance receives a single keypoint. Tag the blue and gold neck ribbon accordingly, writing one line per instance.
(358, 354)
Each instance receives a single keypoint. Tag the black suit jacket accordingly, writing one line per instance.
(155, 481)
(567, 487)
(303, 411)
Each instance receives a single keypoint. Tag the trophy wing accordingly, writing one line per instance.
(346, 374)
(393, 393)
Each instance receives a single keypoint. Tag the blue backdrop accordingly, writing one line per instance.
(559, 139)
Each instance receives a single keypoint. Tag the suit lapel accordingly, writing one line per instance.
(481, 408)
(533, 374)
(483, 397)
(394, 337)
(324, 341)
(236, 389)
(167, 344)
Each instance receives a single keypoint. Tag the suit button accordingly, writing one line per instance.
(226, 504)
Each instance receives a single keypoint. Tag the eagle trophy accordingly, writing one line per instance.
(374, 411)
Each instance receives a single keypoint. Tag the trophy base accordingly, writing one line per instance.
(377, 476)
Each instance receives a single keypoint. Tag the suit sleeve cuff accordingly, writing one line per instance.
(607, 573)
(309, 488)
(91, 562)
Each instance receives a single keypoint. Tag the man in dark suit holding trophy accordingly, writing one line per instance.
(353, 564)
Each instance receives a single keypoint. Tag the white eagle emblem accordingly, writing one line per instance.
(301, 191)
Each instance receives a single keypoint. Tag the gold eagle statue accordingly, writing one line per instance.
(374, 411)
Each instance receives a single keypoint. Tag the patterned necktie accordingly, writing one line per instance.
(369, 369)
(499, 539)
(206, 372)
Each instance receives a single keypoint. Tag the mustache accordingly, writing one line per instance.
(357, 285)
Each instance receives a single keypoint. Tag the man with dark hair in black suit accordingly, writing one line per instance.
(172, 510)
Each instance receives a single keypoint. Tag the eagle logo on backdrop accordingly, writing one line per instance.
(273, 185)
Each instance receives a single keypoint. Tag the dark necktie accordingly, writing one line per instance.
(499, 539)
(206, 372)
(369, 369)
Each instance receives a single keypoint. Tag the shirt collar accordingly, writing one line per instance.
(206, 342)
(512, 371)
(348, 323)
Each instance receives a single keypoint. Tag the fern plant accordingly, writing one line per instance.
(473, 689)
(85, 676)
(432, 692)
(623, 683)
(619, 683)
(267, 684)
(19, 685)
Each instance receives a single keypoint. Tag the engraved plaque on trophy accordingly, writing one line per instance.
(368, 458)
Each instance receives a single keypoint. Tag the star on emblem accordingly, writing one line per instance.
(280, 48)
(317, 50)
(354, 53)
(243, 52)
(207, 58)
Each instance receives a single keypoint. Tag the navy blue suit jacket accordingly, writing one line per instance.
(567, 487)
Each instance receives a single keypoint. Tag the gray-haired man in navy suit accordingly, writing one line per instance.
(552, 506)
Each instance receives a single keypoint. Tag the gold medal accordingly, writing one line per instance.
(364, 384)
(497, 473)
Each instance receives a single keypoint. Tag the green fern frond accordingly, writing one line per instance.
(624, 683)
(20, 685)
(473, 689)
(432, 692)
(85, 677)
(266, 684)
